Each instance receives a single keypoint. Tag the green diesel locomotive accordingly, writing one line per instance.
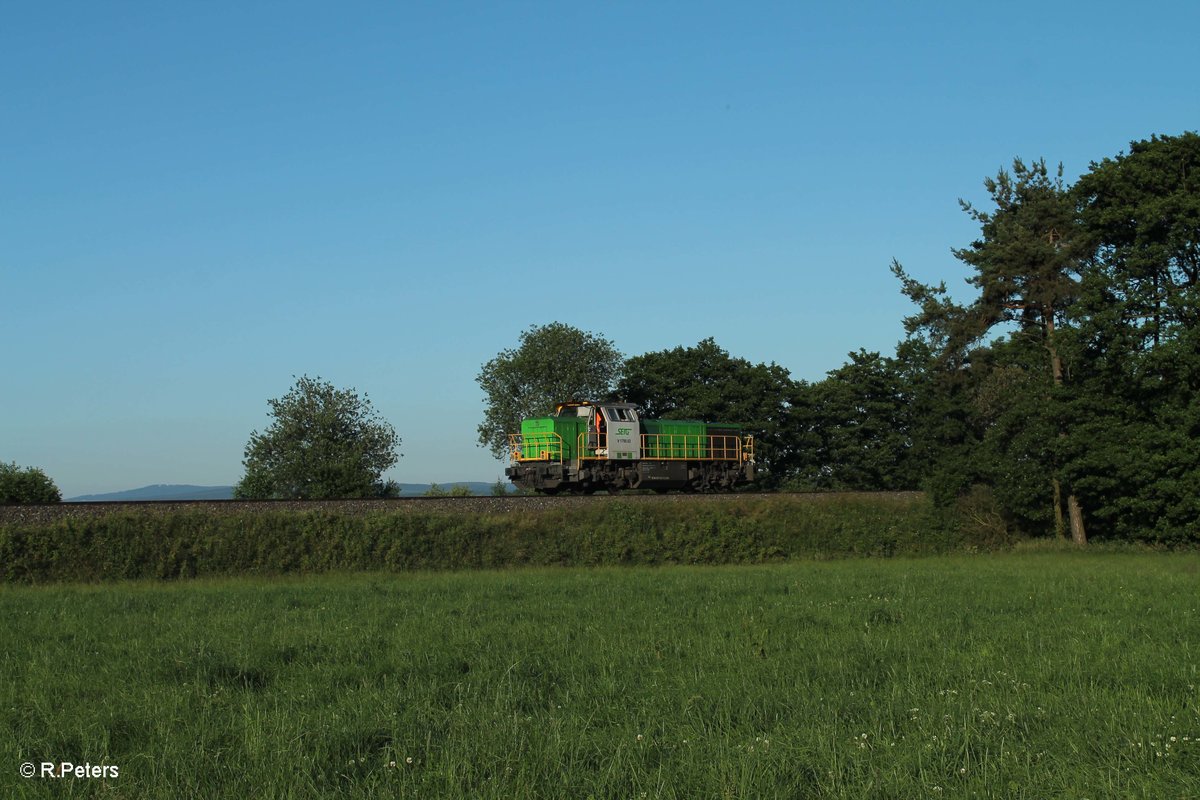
(587, 447)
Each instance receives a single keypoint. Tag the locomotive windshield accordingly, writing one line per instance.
(623, 412)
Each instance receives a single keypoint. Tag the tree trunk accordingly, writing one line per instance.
(1078, 534)
(1060, 524)
(1074, 510)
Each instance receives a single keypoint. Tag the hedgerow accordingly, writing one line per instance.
(191, 543)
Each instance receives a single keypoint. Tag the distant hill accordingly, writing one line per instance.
(159, 492)
(185, 492)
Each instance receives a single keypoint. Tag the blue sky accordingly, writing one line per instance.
(200, 201)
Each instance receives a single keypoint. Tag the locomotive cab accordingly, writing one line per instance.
(614, 430)
(620, 432)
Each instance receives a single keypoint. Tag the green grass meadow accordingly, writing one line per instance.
(1020, 675)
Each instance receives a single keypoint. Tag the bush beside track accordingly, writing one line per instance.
(158, 542)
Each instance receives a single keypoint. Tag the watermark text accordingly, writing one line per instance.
(68, 769)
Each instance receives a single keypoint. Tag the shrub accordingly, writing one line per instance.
(28, 485)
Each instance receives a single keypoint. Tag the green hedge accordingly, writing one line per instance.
(737, 531)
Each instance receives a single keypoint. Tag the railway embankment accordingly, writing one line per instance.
(127, 541)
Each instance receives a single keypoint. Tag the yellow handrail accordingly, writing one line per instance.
(691, 447)
(546, 446)
(592, 445)
(674, 447)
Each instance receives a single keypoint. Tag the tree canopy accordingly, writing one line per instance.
(704, 382)
(1140, 213)
(551, 363)
(858, 422)
(323, 443)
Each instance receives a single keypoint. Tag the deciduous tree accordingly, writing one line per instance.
(323, 443)
(861, 418)
(551, 364)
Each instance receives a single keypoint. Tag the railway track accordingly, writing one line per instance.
(49, 513)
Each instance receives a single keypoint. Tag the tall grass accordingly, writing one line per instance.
(1014, 676)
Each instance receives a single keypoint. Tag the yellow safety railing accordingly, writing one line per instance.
(691, 447)
(592, 445)
(546, 446)
(674, 447)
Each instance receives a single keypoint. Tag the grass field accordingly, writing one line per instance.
(1039, 675)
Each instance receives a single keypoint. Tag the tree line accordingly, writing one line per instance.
(1065, 391)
